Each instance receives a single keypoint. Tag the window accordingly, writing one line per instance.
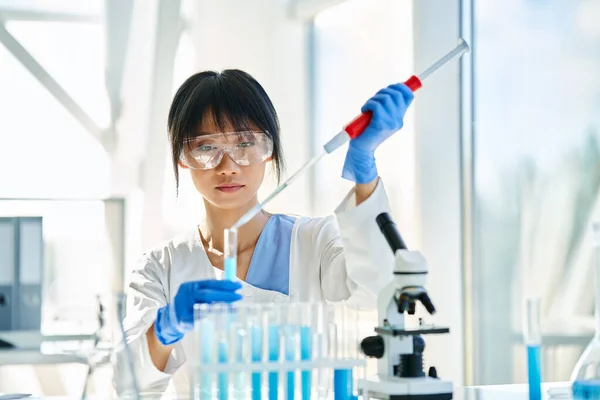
(44, 151)
(537, 180)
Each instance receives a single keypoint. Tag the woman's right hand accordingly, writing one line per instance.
(177, 317)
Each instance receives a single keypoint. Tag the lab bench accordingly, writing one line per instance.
(33, 348)
(551, 391)
(49, 364)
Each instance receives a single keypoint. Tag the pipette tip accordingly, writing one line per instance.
(239, 223)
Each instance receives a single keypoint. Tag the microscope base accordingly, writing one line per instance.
(393, 388)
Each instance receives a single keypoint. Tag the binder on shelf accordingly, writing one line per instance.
(8, 270)
(31, 261)
(21, 266)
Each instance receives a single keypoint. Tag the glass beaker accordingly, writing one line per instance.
(586, 375)
(111, 373)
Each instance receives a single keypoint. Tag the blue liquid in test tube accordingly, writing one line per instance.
(532, 335)
(273, 356)
(238, 346)
(305, 354)
(230, 254)
(534, 372)
(223, 380)
(230, 268)
(290, 355)
(206, 343)
(586, 389)
(257, 346)
(342, 384)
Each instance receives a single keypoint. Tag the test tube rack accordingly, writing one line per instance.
(275, 351)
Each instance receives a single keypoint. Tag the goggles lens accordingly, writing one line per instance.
(245, 148)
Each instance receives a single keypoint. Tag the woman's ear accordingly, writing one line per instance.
(269, 159)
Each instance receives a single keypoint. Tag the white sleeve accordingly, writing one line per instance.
(146, 294)
(356, 261)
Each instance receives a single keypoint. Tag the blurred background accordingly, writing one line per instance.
(495, 175)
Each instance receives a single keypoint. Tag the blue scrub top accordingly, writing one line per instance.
(270, 264)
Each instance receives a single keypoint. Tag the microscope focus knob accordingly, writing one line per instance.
(373, 346)
(432, 372)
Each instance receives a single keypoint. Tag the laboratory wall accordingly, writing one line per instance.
(536, 181)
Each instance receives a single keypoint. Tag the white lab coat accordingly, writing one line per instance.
(331, 259)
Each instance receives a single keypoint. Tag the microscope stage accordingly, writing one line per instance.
(422, 330)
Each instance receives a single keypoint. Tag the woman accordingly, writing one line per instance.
(223, 129)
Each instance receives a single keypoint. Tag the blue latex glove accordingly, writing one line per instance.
(177, 317)
(388, 107)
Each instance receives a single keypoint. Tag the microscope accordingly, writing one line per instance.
(399, 349)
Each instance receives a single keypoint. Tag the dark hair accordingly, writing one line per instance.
(231, 96)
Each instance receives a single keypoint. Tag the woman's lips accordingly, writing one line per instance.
(229, 188)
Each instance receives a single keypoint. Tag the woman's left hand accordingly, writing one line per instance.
(388, 106)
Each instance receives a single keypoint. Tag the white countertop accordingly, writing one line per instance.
(33, 348)
(551, 391)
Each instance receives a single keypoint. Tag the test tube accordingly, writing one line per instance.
(256, 330)
(351, 343)
(333, 351)
(239, 343)
(273, 320)
(322, 350)
(364, 320)
(532, 336)
(290, 315)
(222, 317)
(230, 254)
(204, 339)
(309, 318)
(342, 377)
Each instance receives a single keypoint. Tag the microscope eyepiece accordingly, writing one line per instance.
(389, 230)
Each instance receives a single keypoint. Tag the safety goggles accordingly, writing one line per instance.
(245, 148)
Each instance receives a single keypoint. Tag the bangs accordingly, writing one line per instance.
(226, 117)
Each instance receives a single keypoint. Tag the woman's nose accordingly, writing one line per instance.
(227, 166)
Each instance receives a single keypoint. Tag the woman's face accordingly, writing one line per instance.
(228, 185)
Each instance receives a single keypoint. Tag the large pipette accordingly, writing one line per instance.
(354, 129)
